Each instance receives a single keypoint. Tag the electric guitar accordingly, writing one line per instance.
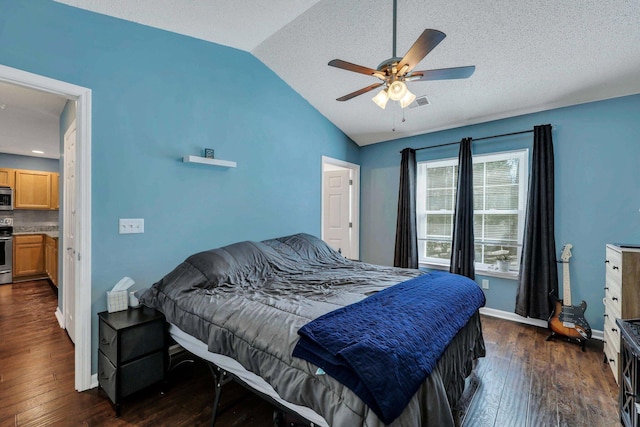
(567, 319)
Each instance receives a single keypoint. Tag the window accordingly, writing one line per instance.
(499, 200)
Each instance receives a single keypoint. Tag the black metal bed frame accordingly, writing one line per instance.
(222, 377)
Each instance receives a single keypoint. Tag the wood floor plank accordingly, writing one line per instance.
(523, 381)
(515, 401)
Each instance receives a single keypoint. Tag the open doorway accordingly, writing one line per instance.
(80, 282)
(341, 206)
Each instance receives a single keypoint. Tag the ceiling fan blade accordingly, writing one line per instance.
(359, 92)
(442, 74)
(428, 40)
(339, 63)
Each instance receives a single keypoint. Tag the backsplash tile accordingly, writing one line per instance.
(34, 218)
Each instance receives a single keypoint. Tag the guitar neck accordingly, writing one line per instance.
(566, 284)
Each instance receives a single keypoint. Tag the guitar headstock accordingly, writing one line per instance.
(566, 252)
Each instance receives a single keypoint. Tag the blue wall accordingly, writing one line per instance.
(14, 161)
(158, 96)
(597, 158)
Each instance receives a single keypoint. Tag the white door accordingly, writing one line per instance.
(337, 210)
(69, 238)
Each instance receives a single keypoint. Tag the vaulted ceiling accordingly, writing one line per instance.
(529, 55)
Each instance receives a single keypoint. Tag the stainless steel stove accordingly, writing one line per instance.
(6, 250)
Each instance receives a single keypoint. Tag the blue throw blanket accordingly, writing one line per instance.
(385, 346)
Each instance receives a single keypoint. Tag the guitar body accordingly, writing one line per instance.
(567, 319)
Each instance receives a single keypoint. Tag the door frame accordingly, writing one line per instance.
(82, 282)
(355, 200)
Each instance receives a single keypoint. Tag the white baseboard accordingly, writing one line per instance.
(595, 334)
(60, 317)
(94, 381)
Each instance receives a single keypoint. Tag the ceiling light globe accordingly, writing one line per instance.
(397, 90)
(407, 99)
(381, 99)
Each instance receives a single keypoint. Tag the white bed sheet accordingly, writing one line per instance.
(197, 347)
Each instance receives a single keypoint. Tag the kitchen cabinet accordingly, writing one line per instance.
(51, 258)
(28, 255)
(7, 177)
(32, 190)
(55, 191)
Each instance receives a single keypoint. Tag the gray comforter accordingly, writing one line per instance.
(248, 300)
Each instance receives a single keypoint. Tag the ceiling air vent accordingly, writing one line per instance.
(419, 102)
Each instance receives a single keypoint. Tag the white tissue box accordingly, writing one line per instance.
(117, 301)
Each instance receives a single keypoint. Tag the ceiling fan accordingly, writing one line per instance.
(395, 71)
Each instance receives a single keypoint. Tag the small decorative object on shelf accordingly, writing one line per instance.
(208, 153)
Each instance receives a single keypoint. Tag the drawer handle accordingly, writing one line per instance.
(614, 299)
(615, 267)
(606, 261)
(606, 288)
(606, 315)
(614, 330)
(612, 361)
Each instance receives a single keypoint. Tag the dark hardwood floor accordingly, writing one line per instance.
(523, 381)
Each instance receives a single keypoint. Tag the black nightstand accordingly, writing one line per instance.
(132, 352)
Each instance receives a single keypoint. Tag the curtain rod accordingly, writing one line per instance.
(478, 139)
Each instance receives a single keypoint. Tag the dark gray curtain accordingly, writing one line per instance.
(406, 250)
(538, 271)
(462, 250)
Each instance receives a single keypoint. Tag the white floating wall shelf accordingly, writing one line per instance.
(207, 161)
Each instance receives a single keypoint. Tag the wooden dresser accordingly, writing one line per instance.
(622, 297)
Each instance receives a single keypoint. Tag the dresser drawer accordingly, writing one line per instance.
(133, 376)
(612, 333)
(107, 376)
(134, 341)
(613, 264)
(613, 300)
(612, 358)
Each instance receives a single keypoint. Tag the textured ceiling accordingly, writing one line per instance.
(29, 120)
(529, 55)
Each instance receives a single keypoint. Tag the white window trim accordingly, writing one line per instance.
(481, 268)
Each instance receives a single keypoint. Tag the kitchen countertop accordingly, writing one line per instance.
(22, 231)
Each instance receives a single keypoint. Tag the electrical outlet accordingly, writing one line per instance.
(131, 225)
(485, 284)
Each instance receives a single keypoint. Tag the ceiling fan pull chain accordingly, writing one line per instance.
(394, 121)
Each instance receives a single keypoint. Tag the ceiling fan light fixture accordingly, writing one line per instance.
(397, 90)
(381, 98)
(407, 99)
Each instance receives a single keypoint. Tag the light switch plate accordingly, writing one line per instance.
(131, 225)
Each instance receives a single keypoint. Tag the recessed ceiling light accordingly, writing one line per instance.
(2, 106)
(37, 151)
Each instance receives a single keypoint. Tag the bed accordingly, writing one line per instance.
(243, 306)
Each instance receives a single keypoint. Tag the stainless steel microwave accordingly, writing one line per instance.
(6, 199)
